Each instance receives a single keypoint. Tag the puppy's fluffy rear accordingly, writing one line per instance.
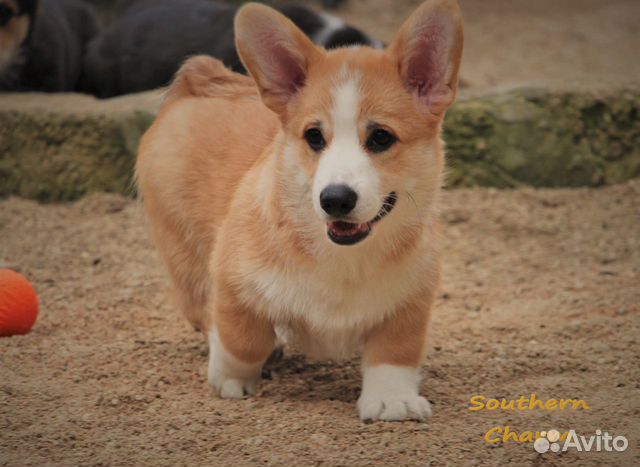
(204, 76)
(189, 166)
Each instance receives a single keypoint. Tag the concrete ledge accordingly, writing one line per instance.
(544, 138)
(59, 147)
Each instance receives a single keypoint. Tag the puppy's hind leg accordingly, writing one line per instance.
(193, 300)
(184, 249)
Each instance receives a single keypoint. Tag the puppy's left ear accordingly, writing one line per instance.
(275, 52)
(428, 50)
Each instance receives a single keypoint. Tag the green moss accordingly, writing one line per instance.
(52, 157)
(544, 139)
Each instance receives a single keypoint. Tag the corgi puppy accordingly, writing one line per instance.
(301, 204)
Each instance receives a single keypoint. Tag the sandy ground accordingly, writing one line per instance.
(540, 296)
(563, 43)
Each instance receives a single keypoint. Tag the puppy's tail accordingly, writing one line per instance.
(204, 76)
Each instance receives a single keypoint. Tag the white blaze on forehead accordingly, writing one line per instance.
(345, 161)
(346, 109)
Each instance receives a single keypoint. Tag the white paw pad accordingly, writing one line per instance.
(398, 408)
(231, 378)
(390, 393)
(233, 388)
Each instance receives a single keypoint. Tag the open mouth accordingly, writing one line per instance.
(348, 233)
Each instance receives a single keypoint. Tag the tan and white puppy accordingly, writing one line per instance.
(301, 204)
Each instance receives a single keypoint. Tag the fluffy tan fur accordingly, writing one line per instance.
(225, 175)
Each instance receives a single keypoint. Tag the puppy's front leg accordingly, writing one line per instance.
(239, 343)
(393, 354)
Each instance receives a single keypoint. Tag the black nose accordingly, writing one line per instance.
(338, 200)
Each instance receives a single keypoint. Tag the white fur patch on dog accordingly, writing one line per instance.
(331, 25)
(345, 161)
(231, 378)
(390, 393)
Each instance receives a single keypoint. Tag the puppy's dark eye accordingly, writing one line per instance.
(380, 140)
(6, 14)
(315, 139)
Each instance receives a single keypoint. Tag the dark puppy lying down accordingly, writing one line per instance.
(42, 43)
(145, 47)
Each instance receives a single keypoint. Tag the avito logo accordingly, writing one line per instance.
(550, 441)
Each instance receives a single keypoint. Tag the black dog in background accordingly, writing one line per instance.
(144, 47)
(55, 45)
(42, 43)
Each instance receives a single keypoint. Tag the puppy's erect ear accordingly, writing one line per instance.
(275, 52)
(428, 49)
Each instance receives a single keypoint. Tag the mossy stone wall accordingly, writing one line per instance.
(543, 138)
(56, 148)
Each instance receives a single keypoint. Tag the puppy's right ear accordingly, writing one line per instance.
(429, 49)
(275, 52)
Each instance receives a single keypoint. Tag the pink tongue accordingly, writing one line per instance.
(347, 228)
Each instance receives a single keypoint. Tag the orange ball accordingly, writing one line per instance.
(18, 304)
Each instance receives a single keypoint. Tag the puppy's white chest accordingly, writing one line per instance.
(325, 313)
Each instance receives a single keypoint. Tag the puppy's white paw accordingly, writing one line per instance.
(230, 377)
(232, 388)
(390, 393)
(394, 408)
